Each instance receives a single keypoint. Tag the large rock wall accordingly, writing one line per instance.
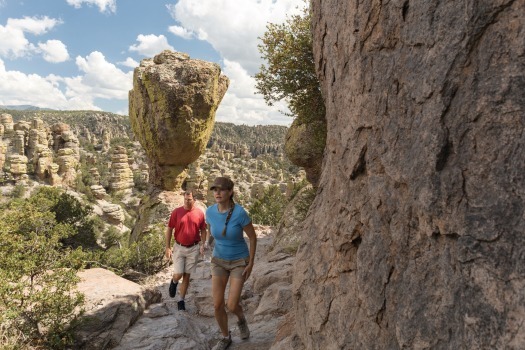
(417, 236)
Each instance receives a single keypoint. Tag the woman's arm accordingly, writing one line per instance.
(250, 232)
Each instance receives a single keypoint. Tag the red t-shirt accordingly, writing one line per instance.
(187, 225)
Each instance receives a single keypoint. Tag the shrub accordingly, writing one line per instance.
(37, 276)
(18, 191)
(68, 210)
(268, 209)
(145, 256)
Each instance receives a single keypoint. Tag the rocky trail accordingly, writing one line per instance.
(266, 298)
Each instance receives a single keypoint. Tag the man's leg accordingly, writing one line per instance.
(178, 269)
(184, 285)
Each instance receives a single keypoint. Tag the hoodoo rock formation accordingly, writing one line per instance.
(417, 240)
(172, 110)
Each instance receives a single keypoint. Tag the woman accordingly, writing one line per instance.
(231, 259)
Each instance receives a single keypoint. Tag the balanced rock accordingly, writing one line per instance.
(172, 111)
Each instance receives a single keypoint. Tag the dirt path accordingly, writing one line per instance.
(164, 327)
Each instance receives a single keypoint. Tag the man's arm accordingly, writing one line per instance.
(169, 233)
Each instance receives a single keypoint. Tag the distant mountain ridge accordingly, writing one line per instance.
(259, 139)
(25, 108)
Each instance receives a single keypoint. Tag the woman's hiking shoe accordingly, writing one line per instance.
(243, 329)
(181, 306)
(223, 343)
(173, 288)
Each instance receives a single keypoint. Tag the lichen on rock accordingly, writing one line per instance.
(172, 110)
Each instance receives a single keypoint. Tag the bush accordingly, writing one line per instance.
(37, 276)
(145, 256)
(18, 191)
(68, 210)
(268, 209)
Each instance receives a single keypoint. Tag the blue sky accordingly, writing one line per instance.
(80, 54)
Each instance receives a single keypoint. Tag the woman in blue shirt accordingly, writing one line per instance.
(231, 259)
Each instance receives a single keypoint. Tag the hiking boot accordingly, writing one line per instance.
(223, 343)
(244, 331)
(173, 288)
(181, 306)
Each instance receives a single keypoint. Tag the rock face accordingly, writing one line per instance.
(172, 111)
(417, 237)
(113, 304)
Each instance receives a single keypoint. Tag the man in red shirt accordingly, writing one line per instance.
(190, 235)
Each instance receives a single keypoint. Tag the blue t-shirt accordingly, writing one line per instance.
(232, 246)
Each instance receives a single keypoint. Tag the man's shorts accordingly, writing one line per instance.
(185, 259)
(233, 268)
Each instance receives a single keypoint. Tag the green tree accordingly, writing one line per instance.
(290, 73)
(268, 209)
(37, 275)
(68, 210)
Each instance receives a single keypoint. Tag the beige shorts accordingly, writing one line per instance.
(233, 268)
(185, 259)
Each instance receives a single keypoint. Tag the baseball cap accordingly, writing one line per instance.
(222, 183)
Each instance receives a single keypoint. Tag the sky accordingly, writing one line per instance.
(80, 54)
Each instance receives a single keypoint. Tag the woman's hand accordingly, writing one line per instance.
(247, 271)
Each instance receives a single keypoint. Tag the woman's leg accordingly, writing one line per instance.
(234, 297)
(218, 288)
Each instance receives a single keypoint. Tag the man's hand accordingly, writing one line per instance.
(168, 253)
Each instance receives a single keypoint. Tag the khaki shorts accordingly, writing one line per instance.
(185, 259)
(233, 268)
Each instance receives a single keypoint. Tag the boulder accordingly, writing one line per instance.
(304, 146)
(172, 111)
(113, 304)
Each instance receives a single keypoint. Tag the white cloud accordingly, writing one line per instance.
(241, 105)
(129, 62)
(17, 88)
(103, 5)
(13, 39)
(151, 45)
(233, 26)
(54, 51)
(101, 79)
(33, 25)
(182, 32)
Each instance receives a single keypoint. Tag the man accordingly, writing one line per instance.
(190, 235)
